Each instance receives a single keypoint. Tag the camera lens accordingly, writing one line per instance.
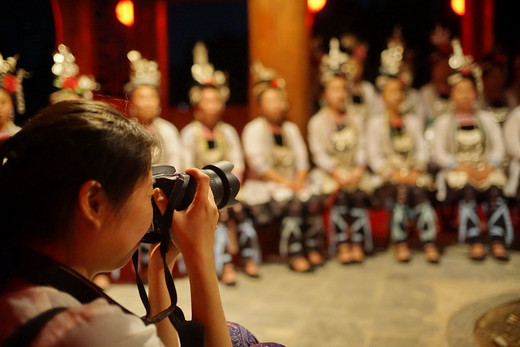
(181, 188)
(223, 184)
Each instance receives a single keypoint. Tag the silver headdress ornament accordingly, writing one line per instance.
(142, 72)
(205, 74)
(464, 66)
(66, 71)
(11, 80)
(334, 63)
(391, 60)
(354, 46)
(265, 78)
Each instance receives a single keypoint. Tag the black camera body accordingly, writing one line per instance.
(180, 189)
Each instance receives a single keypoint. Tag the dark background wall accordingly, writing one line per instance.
(374, 20)
(100, 42)
(27, 30)
(223, 28)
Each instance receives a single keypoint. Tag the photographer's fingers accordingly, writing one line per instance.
(203, 193)
(194, 227)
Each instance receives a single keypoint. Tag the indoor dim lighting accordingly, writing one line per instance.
(125, 12)
(315, 5)
(458, 6)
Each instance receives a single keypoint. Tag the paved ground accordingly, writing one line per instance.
(378, 303)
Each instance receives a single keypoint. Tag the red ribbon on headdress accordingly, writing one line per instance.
(70, 82)
(10, 83)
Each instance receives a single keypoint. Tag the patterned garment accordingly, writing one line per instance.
(241, 337)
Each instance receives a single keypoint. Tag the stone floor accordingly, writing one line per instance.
(378, 303)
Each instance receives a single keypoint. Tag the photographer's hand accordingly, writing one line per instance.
(193, 229)
(193, 232)
(155, 256)
(159, 296)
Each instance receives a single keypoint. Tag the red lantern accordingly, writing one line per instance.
(125, 12)
(315, 6)
(458, 6)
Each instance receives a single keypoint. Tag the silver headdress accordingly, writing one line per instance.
(66, 71)
(391, 60)
(11, 80)
(142, 72)
(354, 47)
(265, 78)
(205, 74)
(464, 66)
(334, 63)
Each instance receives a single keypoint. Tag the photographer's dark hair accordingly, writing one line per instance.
(45, 164)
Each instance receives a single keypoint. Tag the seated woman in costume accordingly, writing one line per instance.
(336, 143)
(206, 140)
(398, 154)
(469, 147)
(277, 185)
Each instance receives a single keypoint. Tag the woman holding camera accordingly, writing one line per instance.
(75, 196)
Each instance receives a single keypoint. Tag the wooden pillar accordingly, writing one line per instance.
(467, 30)
(76, 31)
(161, 28)
(279, 38)
(477, 28)
(151, 39)
(488, 25)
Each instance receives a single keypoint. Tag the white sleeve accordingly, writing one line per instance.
(318, 141)
(173, 151)
(426, 97)
(188, 146)
(97, 324)
(496, 140)
(360, 158)
(512, 133)
(370, 95)
(256, 146)
(374, 143)
(442, 132)
(298, 146)
(234, 150)
(421, 151)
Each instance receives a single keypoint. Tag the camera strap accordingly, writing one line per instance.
(190, 333)
(162, 228)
